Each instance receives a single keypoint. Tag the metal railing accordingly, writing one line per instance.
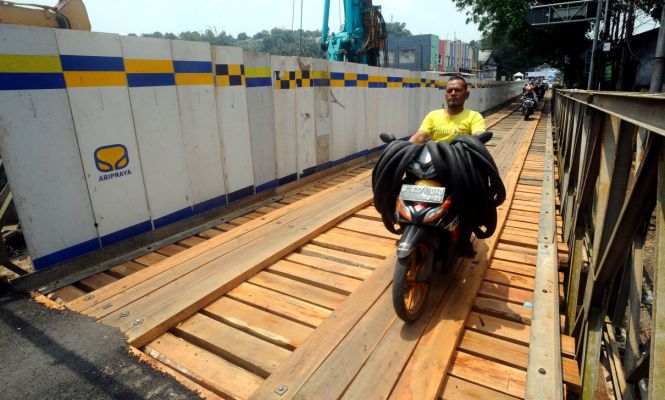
(611, 159)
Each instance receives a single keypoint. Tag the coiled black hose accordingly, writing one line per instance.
(464, 166)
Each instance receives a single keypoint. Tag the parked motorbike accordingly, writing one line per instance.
(528, 106)
(429, 216)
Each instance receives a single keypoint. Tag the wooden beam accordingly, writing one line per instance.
(591, 361)
(544, 380)
(657, 365)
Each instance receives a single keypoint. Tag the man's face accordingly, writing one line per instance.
(456, 93)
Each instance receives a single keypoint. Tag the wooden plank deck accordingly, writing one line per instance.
(292, 300)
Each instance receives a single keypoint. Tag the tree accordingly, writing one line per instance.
(397, 29)
(242, 36)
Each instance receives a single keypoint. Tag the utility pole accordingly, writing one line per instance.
(659, 58)
(594, 48)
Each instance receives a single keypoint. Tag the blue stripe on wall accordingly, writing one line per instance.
(265, 186)
(91, 63)
(287, 179)
(258, 82)
(241, 193)
(29, 80)
(210, 204)
(173, 217)
(143, 80)
(126, 233)
(192, 66)
(337, 75)
(66, 254)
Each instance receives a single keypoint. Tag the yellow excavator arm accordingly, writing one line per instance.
(67, 14)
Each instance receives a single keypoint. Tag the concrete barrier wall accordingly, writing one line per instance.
(105, 137)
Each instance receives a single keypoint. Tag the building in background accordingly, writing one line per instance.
(429, 53)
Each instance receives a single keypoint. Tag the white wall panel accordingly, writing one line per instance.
(358, 104)
(154, 103)
(305, 124)
(342, 143)
(39, 151)
(261, 119)
(233, 121)
(99, 99)
(285, 116)
(322, 113)
(198, 118)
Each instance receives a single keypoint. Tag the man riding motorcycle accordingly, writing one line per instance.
(446, 124)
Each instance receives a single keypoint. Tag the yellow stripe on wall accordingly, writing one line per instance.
(258, 72)
(28, 63)
(137, 66)
(95, 78)
(193, 79)
(320, 74)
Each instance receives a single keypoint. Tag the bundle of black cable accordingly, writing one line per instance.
(465, 168)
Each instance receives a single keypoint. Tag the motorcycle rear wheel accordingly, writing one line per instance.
(411, 282)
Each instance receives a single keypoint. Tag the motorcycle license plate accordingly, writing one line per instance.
(425, 194)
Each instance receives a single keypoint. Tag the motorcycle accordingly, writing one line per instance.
(528, 105)
(430, 219)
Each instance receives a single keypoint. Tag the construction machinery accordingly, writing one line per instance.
(67, 14)
(363, 35)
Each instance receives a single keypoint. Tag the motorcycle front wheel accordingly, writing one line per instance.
(411, 282)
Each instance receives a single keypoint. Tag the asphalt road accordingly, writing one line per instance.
(53, 354)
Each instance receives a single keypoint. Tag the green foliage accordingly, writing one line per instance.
(397, 29)
(520, 47)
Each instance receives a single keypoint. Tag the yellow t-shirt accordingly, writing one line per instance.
(440, 126)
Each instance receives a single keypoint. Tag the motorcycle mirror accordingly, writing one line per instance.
(484, 136)
(387, 137)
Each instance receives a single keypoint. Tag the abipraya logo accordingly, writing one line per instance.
(112, 162)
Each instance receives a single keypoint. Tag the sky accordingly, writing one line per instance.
(439, 17)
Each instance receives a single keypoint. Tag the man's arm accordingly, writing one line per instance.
(477, 124)
(419, 137)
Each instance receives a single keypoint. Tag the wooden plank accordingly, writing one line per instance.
(299, 290)
(499, 377)
(509, 279)
(516, 249)
(513, 331)
(506, 293)
(210, 233)
(225, 227)
(170, 250)
(191, 241)
(522, 225)
(125, 269)
(383, 367)
(295, 371)
(96, 281)
(324, 264)
(355, 243)
(502, 309)
(458, 389)
(364, 226)
(513, 267)
(369, 213)
(150, 298)
(513, 354)
(515, 257)
(204, 368)
(150, 259)
(336, 372)
(340, 256)
(178, 376)
(312, 276)
(262, 324)
(657, 364)
(249, 352)
(67, 293)
(279, 304)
